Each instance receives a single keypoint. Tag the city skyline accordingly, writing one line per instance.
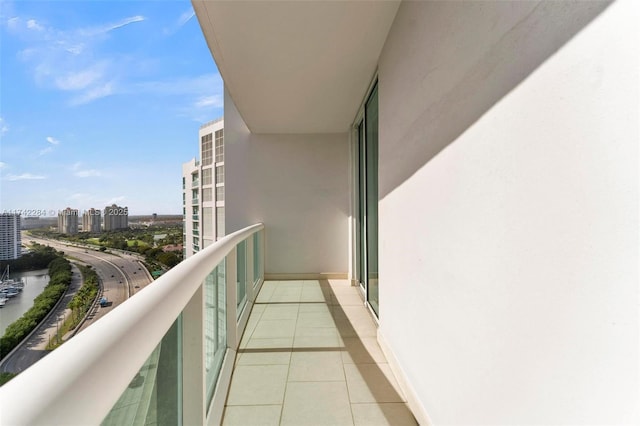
(101, 105)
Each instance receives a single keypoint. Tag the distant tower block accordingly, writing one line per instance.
(10, 238)
(92, 221)
(116, 217)
(68, 221)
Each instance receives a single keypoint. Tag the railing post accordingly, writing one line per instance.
(262, 237)
(251, 296)
(193, 368)
(232, 298)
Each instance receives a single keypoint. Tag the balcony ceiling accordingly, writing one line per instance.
(296, 66)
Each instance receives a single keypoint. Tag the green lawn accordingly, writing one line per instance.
(5, 377)
(130, 243)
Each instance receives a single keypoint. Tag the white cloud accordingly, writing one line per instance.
(3, 126)
(32, 24)
(13, 23)
(79, 171)
(205, 83)
(77, 196)
(207, 101)
(52, 140)
(93, 93)
(87, 173)
(69, 60)
(45, 150)
(182, 19)
(2, 165)
(124, 22)
(77, 80)
(114, 200)
(25, 176)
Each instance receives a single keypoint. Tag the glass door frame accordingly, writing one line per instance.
(359, 199)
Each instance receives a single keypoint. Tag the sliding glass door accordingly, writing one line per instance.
(367, 165)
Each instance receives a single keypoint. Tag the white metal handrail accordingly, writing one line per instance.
(81, 381)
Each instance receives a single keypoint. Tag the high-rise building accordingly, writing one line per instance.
(10, 238)
(92, 221)
(203, 190)
(68, 221)
(116, 217)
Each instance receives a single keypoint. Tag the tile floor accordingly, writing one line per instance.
(309, 356)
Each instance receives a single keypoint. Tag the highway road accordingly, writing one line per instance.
(122, 276)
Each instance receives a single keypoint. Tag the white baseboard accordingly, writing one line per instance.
(216, 407)
(312, 276)
(415, 405)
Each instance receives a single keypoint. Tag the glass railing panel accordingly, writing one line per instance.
(241, 264)
(154, 396)
(215, 327)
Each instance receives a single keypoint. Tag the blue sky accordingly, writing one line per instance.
(100, 103)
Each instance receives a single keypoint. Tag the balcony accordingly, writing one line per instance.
(194, 201)
(196, 232)
(195, 217)
(298, 352)
(195, 183)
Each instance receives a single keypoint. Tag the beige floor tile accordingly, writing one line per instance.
(353, 313)
(270, 285)
(257, 385)
(316, 367)
(392, 414)
(348, 329)
(312, 283)
(337, 284)
(302, 331)
(246, 336)
(362, 350)
(268, 329)
(258, 309)
(286, 295)
(252, 322)
(372, 383)
(327, 367)
(306, 308)
(265, 357)
(284, 311)
(316, 314)
(347, 299)
(266, 292)
(313, 294)
(315, 319)
(252, 415)
(316, 403)
(297, 284)
(277, 343)
(317, 342)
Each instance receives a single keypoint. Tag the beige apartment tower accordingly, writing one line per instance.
(203, 190)
(116, 217)
(68, 221)
(92, 221)
(10, 238)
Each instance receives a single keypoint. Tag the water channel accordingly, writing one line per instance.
(35, 282)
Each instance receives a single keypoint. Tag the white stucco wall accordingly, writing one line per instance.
(298, 186)
(509, 210)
